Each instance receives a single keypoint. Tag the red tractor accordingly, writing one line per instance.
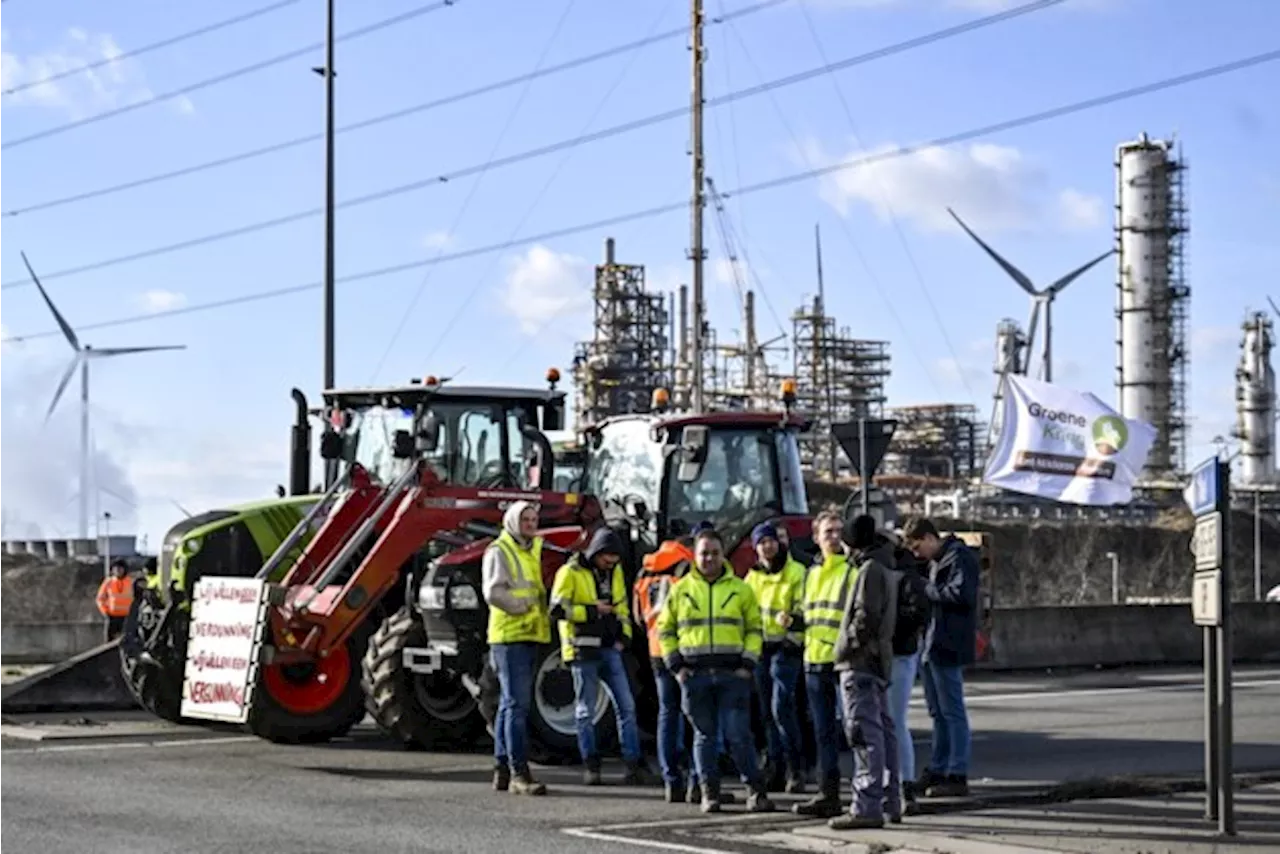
(425, 468)
(656, 476)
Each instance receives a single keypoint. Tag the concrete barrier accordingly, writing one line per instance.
(47, 643)
(1085, 636)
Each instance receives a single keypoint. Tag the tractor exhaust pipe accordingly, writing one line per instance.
(300, 448)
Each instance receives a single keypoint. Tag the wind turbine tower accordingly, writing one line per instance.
(1041, 300)
(83, 355)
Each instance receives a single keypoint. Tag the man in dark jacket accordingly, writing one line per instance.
(914, 609)
(864, 659)
(949, 646)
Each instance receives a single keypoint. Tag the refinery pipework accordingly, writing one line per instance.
(1256, 402)
(1152, 298)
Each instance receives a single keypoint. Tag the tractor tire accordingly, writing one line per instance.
(418, 711)
(315, 702)
(157, 690)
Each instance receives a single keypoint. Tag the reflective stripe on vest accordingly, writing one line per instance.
(711, 623)
(780, 593)
(525, 566)
(115, 596)
(824, 594)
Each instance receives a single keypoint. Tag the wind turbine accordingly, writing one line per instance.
(84, 354)
(1041, 300)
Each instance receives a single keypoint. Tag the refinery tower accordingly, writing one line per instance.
(1152, 298)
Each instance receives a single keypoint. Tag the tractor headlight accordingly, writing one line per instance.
(191, 546)
(430, 598)
(464, 597)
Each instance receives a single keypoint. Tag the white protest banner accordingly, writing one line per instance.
(1066, 445)
(228, 618)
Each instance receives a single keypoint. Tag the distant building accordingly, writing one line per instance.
(116, 545)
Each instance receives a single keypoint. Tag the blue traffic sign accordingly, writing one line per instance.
(1202, 493)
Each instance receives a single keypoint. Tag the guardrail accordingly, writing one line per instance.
(1022, 638)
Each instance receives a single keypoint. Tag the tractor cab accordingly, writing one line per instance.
(475, 436)
(661, 474)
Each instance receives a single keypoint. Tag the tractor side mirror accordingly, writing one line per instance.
(552, 417)
(330, 445)
(402, 445)
(693, 453)
(429, 433)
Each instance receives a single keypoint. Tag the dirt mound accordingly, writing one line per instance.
(33, 590)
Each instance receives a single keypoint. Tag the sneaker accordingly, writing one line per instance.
(591, 777)
(639, 774)
(710, 806)
(954, 786)
(694, 793)
(759, 802)
(927, 779)
(910, 806)
(796, 783)
(501, 778)
(524, 784)
(675, 793)
(855, 822)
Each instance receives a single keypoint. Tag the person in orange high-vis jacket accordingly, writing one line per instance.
(659, 573)
(115, 597)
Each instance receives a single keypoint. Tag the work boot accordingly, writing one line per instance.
(928, 778)
(639, 774)
(855, 822)
(796, 781)
(825, 804)
(694, 795)
(711, 798)
(910, 806)
(675, 793)
(776, 776)
(758, 801)
(501, 778)
(522, 783)
(953, 786)
(591, 772)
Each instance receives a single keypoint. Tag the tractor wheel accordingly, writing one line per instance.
(420, 711)
(311, 702)
(157, 690)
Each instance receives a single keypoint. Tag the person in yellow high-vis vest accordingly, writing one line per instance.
(777, 579)
(518, 624)
(825, 590)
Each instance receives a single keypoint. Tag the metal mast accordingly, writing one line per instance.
(832, 462)
(328, 73)
(697, 252)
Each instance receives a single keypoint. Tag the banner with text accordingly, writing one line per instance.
(228, 618)
(1066, 445)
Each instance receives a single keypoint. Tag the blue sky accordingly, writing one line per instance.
(210, 424)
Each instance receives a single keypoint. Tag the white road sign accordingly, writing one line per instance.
(228, 618)
(1206, 543)
(1206, 598)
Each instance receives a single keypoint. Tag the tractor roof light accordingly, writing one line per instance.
(431, 381)
(661, 399)
(788, 393)
(553, 377)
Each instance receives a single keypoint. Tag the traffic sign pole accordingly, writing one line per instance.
(1226, 777)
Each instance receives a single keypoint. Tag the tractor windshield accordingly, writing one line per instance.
(369, 439)
(750, 475)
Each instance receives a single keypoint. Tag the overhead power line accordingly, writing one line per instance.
(229, 75)
(154, 46)
(404, 112)
(774, 183)
(583, 139)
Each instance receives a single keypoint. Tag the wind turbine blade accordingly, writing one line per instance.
(62, 386)
(1014, 273)
(1058, 286)
(57, 315)
(124, 351)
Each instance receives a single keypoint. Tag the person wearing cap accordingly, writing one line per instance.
(778, 582)
(864, 660)
(115, 598)
(589, 599)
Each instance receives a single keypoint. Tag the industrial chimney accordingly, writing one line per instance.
(1256, 402)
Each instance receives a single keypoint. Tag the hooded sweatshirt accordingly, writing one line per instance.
(605, 541)
(866, 631)
(496, 573)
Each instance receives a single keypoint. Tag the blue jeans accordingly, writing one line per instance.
(587, 675)
(671, 752)
(903, 680)
(719, 704)
(821, 687)
(944, 695)
(514, 664)
(870, 730)
(777, 675)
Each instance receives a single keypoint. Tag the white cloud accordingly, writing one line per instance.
(543, 284)
(113, 84)
(161, 300)
(439, 239)
(994, 187)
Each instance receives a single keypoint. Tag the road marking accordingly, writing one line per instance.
(1101, 692)
(613, 839)
(609, 832)
(174, 742)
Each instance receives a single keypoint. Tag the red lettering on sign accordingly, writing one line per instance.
(217, 692)
(223, 630)
(225, 593)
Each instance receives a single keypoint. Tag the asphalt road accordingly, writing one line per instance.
(210, 792)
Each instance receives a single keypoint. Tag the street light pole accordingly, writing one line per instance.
(329, 309)
(1115, 577)
(1257, 545)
